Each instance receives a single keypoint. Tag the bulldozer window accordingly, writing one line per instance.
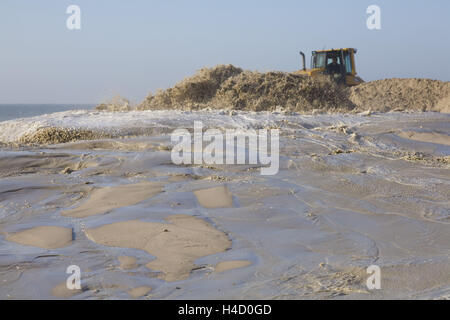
(334, 68)
(330, 59)
(348, 62)
(319, 60)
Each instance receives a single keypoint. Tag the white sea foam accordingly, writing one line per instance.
(123, 123)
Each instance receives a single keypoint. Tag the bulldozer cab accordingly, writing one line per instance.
(337, 63)
(322, 60)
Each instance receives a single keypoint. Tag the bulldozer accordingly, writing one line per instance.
(343, 70)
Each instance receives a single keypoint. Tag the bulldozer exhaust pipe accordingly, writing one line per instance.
(303, 60)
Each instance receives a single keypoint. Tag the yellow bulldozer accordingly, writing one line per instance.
(337, 63)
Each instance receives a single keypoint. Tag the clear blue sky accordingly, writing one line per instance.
(133, 47)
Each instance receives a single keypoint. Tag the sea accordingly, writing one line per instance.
(15, 111)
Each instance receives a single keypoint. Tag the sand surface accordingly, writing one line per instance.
(176, 245)
(230, 265)
(432, 137)
(217, 197)
(103, 200)
(46, 237)
(127, 262)
(139, 292)
(353, 190)
(61, 291)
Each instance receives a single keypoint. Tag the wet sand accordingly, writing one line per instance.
(352, 191)
(127, 262)
(230, 265)
(47, 237)
(61, 291)
(103, 200)
(217, 197)
(139, 292)
(176, 245)
(431, 137)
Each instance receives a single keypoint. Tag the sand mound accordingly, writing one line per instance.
(402, 94)
(228, 87)
(117, 103)
(267, 91)
(193, 92)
